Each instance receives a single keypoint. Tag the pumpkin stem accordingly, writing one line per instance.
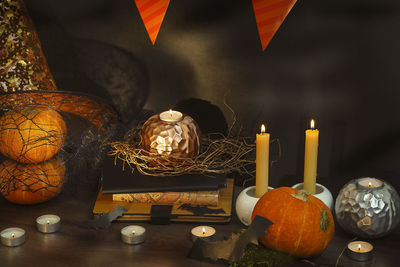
(302, 195)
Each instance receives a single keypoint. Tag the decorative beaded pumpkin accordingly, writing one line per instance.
(302, 224)
(31, 134)
(176, 140)
(31, 183)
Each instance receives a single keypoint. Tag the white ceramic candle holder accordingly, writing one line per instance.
(321, 192)
(245, 203)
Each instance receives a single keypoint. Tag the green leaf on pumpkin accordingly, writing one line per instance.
(324, 221)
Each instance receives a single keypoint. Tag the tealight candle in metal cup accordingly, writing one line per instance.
(13, 237)
(48, 223)
(370, 182)
(171, 116)
(203, 232)
(133, 234)
(359, 250)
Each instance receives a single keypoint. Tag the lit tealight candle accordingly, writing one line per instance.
(204, 232)
(171, 116)
(133, 234)
(359, 250)
(48, 223)
(12, 237)
(310, 158)
(370, 182)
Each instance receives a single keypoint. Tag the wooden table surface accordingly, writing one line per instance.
(165, 245)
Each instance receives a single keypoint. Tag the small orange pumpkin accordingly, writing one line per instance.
(32, 134)
(31, 183)
(303, 224)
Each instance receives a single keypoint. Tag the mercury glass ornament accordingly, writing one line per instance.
(368, 208)
(171, 134)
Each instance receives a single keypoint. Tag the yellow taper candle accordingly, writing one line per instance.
(310, 158)
(262, 162)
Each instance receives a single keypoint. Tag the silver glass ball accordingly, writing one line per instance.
(368, 207)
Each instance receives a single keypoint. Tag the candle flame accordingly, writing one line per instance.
(133, 232)
(369, 184)
(204, 230)
(359, 247)
(48, 222)
(312, 124)
(170, 112)
(12, 235)
(262, 128)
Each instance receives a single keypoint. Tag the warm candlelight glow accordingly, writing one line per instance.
(170, 112)
(262, 128)
(369, 184)
(133, 232)
(12, 235)
(312, 124)
(359, 247)
(48, 222)
(204, 230)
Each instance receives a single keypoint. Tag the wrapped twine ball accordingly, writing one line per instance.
(171, 135)
(368, 208)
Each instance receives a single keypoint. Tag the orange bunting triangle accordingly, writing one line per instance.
(269, 16)
(152, 13)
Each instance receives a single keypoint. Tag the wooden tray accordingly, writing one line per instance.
(142, 211)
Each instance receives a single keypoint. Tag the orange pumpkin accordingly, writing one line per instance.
(303, 224)
(31, 135)
(31, 183)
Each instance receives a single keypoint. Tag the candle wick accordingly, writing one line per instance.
(204, 230)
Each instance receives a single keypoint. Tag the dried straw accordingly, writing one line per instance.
(219, 155)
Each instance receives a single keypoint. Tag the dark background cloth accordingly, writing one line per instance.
(335, 61)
